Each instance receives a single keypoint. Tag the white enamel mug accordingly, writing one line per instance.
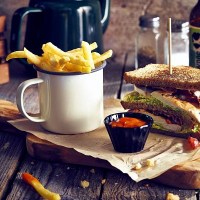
(70, 103)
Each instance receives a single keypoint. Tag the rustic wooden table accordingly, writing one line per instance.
(65, 178)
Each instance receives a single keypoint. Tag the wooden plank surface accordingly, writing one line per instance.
(103, 184)
(47, 151)
(4, 72)
(183, 176)
(12, 149)
(64, 179)
(122, 187)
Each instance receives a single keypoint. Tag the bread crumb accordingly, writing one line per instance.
(85, 184)
(103, 181)
(150, 163)
(5, 146)
(137, 166)
(92, 171)
(171, 196)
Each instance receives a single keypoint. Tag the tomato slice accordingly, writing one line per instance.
(168, 121)
(193, 142)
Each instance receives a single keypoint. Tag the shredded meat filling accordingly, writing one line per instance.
(186, 95)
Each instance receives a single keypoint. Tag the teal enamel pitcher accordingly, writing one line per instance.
(65, 23)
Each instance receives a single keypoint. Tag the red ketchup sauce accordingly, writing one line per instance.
(128, 122)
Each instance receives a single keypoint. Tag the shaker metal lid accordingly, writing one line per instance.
(179, 25)
(149, 21)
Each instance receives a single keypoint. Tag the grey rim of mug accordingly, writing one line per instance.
(68, 73)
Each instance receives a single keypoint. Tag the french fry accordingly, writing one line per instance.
(54, 59)
(44, 65)
(70, 67)
(87, 53)
(93, 46)
(16, 54)
(64, 60)
(79, 60)
(80, 50)
(103, 57)
(95, 55)
(49, 47)
(34, 59)
(46, 194)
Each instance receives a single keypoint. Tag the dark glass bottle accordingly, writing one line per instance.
(194, 36)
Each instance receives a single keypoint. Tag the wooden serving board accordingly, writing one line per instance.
(185, 176)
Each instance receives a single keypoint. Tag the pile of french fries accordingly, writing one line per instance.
(54, 59)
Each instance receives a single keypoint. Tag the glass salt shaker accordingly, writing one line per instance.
(148, 49)
(180, 43)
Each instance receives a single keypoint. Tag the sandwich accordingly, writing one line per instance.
(172, 100)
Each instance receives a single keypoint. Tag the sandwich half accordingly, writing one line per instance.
(172, 100)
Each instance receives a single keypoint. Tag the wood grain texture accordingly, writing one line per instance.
(122, 187)
(12, 148)
(186, 175)
(65, 179)
(4, 72)
(61, 178)
(12, 145)
(47, 151)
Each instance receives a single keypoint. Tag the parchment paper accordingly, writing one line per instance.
(164, 151)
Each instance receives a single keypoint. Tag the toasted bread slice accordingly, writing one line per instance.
(157, 75)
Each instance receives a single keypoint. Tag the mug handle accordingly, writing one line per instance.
(16, 26)
(19, 98)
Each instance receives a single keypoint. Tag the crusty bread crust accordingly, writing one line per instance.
(157, 75)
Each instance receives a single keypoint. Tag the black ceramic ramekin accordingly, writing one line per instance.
(128, 140)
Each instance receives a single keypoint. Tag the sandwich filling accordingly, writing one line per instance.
(174, 110)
